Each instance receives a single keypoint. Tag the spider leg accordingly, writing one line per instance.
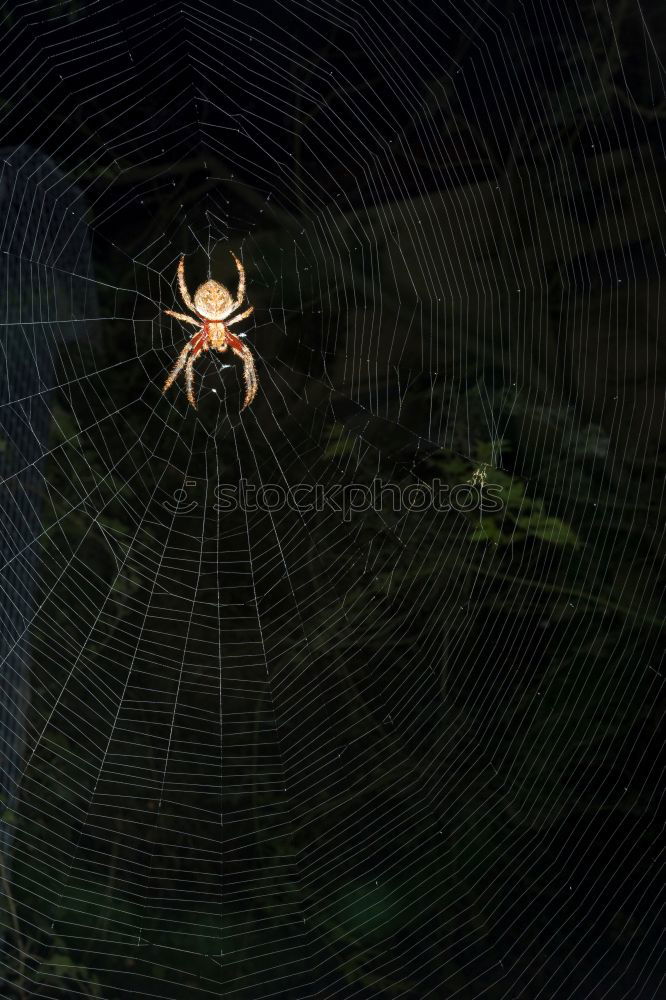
(189, 380)
(185, 295)
(179, 365)
(240, 294)
(183, 317)
(243, 315)
(241, 350)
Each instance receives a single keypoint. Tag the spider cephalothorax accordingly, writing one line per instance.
(212, 304)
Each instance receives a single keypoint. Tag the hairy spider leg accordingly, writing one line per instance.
(237, 319)
(178, 367)
(183, 317)
(199, 341)
(194, 347)
(240, 294)
(241, 350)
(185, 295)
(189, 380)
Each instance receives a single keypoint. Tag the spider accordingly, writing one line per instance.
(212, 304)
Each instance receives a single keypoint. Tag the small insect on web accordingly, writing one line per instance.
(212, 304)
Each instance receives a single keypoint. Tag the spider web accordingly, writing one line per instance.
(355, 693)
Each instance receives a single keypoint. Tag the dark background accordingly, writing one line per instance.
(272, 753)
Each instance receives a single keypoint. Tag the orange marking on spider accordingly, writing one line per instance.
(212, 305)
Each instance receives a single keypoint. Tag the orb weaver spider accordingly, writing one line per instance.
(212, 304)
